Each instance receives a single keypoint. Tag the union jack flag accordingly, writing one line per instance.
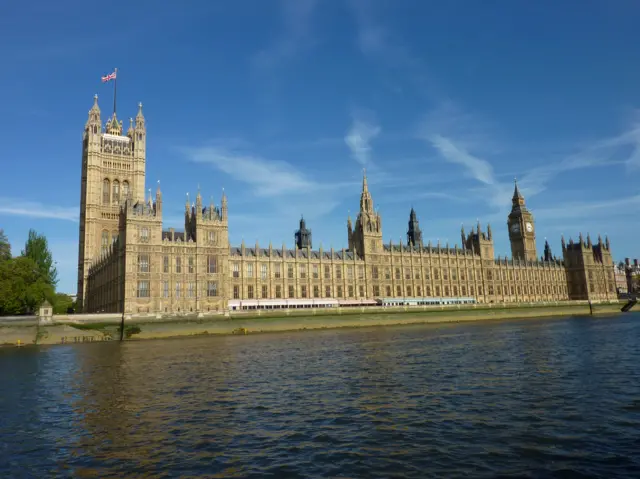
(109, 77)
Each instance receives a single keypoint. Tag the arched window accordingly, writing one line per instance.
(125, 189)
(116, 191)
(106, 187)
(105, 240)
(114, 236)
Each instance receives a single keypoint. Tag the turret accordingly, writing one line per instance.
(223, 206)
(303, 235)
(158, 200)
(414, 234)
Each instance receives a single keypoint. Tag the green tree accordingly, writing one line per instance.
(23, 287)
(63, 304)
(5, 247)
(37, 249)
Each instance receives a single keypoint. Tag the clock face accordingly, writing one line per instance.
(515, 228)
(529, 227)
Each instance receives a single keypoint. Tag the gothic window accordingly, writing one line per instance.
(278, 291)
(302, 270)
(236, 270)
(190, 264)
(339, 292)
(165, 289)
(125, 189)
(446, 290)
(407, 273)
(455, 291)
(454, 275)
(303, 291)
(387, 273)
(409, 291)
(106, 191)
(104, 240)
(115, 197)
(436, 274)
(250, 292)
(315, 271)
(290, 273)
(426, 273)
(398, 274)
(276, 270)
(291, 292)
(399, 291)
(143, 263)
(165, 264)
(361, 291)
(236, 292)
(350, 272)
(191, 289)
(144, 235)
(249, 270)
(212, 236)
(491, 289)
(489, 276)
(351, 295)
(178, 289)
(437, 290)
(327, 291)
(143, 289)
(327, 272)
(419, 291)
(316, 291)
(338, 272)
(265, 291)
(428, 290)
(388, 289)
(212, 289)
(211, 264)
(374, 272)
(360, 272)
(462, 275)
(445, 274)
(416, 274)
(114, 236)
(464, 291)
(178, 264)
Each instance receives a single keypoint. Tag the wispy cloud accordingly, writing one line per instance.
(359, 138)
(378, 42)
(296, 34)
(16, 207)
(267, 177)
(586, 209)
(286, 192)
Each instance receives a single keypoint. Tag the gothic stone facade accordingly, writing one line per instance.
(128, 263)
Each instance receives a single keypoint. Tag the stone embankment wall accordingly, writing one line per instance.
(80, 328)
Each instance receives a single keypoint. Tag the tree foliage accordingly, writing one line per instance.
(5, 247)
(63, 304)
(37, 249)
(23, 287)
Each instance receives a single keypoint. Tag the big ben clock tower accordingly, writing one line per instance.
(522, 234)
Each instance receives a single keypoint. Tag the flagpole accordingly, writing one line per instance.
(115, 91)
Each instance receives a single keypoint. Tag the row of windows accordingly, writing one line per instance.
(350, 290)
(409, 274)
(112, 193)
(179, 290)
(144, 265)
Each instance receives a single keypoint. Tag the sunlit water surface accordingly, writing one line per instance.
(548, 398)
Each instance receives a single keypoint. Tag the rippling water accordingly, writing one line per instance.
(549, 398)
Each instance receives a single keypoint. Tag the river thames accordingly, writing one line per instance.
(534, 398)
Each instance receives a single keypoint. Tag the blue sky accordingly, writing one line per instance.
(283, 103)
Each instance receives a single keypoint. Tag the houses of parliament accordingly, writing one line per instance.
(128, 263)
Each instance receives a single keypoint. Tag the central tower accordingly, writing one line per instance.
(522, 233)
(366, 238)
(113, 169)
